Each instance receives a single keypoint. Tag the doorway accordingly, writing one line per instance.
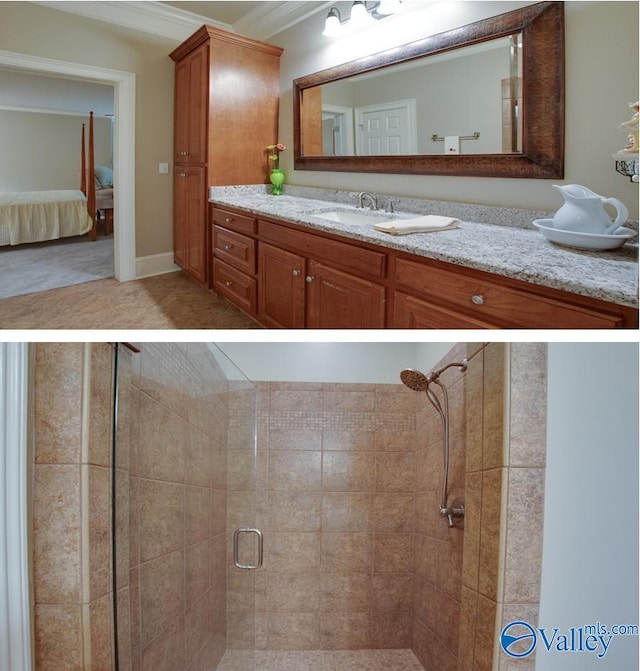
(387, 129)
(123, 144)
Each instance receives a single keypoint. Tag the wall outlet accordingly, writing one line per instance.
(163, 168)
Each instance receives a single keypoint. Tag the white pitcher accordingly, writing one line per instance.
(583, 211)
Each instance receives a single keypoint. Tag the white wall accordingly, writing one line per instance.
(601, 79)
(590, 552)
(363, 362)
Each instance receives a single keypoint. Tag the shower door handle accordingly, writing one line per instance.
(236, 540)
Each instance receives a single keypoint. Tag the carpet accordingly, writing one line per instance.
(27, 269)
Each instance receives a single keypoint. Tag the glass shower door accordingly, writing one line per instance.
(184, 457)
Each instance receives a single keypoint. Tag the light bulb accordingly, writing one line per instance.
(332, 26)
(359, 15)
(387, 7)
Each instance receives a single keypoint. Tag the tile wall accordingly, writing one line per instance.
(335, 497)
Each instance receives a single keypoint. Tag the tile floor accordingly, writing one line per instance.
(320, 660)
(171, 301)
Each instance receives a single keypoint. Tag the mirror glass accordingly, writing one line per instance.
(465, 101)
(485, 99)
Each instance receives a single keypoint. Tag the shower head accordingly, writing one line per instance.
(414, 379)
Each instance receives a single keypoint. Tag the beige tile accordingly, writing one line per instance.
(197, 628)
(198, 458)
(348, 471)
(218, 512)
(391, 630)
(344, 439)
(294, 511)
(56, 534)
(393, 513)
(298, 631)
(427, 550)
(166, 652)
(392, 592)
(196, 571)
(395, 471)
(100, 404)
(292, 552)
(99, 531)
(494, 406)
(346, 552)
(58, 402)
(347, 591)
(348, 401)
(294, 471)
(473, 409)
(293, 592)
(346, 511)
(393, 553)
(467, 635)
(217, 556)
(161, 517)
(295, 439)
(395, 399)
(472, 526)
(523, 561)
(100, 632)
(241, 470)
(196, 514)
(300, 400)
(339, 631)
(161, 594)
(396, 441)
(490, 533)
(485, 634)
(58, 637)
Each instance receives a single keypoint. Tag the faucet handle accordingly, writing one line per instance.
(390, 207)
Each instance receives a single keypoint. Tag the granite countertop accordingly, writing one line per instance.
(497, 240)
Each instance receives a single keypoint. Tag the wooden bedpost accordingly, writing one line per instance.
(83, 169)
(91, 182)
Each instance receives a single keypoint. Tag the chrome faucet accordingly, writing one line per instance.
(372, 198)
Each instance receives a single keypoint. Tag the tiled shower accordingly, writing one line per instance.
(343, 481)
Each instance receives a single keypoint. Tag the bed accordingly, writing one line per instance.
(37, 216)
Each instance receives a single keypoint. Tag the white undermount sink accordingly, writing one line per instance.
(350, 217)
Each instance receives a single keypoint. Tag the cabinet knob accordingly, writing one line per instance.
(228, 247)
(295, 273)
(228, 220)
(478, 299)
(228, 283)
(310, 278)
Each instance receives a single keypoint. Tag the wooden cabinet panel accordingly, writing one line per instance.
(236, 250)
(281, 288)
(410, 312)
(479, 298)
(341, 254)
(338, 300)
(239, 288)
(233, 221)
(190, 221)
(191, 104)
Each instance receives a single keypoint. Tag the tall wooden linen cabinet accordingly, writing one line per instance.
(226, 112)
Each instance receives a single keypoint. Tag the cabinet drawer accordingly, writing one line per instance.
(236, 250)
(350, 257)
(235, 222)
(414, 313)
(494, 303)
(239, 288)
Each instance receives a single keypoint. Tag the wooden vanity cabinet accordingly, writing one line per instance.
(286, 276)
(227, 90)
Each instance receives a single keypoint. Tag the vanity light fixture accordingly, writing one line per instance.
(361, 16)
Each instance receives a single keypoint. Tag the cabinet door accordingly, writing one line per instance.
(413, 313)
(281, 283)
(337, 300)
(191, 105)
(189, 221)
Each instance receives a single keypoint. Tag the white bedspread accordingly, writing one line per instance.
(35, 216)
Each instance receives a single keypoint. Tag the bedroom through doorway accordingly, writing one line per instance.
(74, 260)
(43, 130)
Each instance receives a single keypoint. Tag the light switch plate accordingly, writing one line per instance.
(163, 168)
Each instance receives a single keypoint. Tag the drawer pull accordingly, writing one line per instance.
(310, 278)
(228, 220)
(478, 299)
(228, 247)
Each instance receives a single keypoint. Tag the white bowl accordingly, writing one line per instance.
(593, 241)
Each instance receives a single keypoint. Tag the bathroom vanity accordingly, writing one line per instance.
(284, 263)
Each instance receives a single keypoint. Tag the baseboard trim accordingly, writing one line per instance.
(155, 264)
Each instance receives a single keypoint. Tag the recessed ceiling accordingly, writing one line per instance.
(225, 12)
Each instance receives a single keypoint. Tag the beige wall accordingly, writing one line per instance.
(43, 151)
(27, 28)
(596, 103)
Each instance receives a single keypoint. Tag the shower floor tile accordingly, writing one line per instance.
(320, 660)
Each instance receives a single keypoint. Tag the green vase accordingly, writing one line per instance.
(277, 179)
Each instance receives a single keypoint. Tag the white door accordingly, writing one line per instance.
(387, 129)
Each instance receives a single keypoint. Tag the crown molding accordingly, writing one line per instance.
(156, 18)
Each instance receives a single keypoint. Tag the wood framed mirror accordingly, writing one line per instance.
(534, 101)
